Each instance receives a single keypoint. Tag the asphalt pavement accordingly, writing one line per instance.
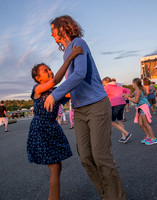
(21, 180)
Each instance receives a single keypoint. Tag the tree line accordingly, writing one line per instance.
(130, 87)
(13, 105)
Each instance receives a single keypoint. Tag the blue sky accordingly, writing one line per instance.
(118, 33)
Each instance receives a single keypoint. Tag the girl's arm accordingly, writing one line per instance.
(61, 72)
(138, 94)
(131, 95)
(128, 95)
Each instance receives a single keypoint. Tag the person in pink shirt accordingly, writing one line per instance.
(118, 103)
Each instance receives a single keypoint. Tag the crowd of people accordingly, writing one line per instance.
(96, 105)
(144, 99)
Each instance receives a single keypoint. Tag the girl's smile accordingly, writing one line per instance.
(45, 74)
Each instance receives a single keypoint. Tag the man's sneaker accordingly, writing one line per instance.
(121, 140)
(127, 138)
(151, 141)
(145, 140)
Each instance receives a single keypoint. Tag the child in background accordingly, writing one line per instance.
(143, 116)
(60, 115)
(71, 115)
(46, 143)
(155, 87)
(64, 115)
(150, 94)
(126, 109)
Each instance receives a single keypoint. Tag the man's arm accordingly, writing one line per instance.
(78, 75)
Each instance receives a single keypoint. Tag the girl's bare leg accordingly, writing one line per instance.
(140, 121)
(148, 127)
(55, 171)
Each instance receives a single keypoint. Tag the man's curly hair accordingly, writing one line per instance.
(69, 25)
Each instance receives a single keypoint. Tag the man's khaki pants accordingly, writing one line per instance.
(93, 137)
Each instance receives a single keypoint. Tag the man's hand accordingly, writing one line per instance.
(49, 102)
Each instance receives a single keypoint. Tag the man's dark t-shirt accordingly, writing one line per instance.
(2, 109)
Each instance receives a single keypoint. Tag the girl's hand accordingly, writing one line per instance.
(75, 51)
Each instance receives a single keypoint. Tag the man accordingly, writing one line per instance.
(92, 110)
(3, 116)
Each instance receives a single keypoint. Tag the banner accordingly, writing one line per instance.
(149, 67)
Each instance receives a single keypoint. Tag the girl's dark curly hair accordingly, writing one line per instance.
(35, 71)
(69, 25)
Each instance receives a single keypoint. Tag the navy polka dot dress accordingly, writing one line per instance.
(46, 143)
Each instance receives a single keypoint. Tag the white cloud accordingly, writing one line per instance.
(29, 43)
(20, 96)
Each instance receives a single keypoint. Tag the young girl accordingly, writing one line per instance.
(71, 115)
(150, 90)
(46, 143)
(143, 116)
(60, 115)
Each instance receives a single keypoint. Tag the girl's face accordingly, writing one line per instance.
(134, 84)
(45, 74)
